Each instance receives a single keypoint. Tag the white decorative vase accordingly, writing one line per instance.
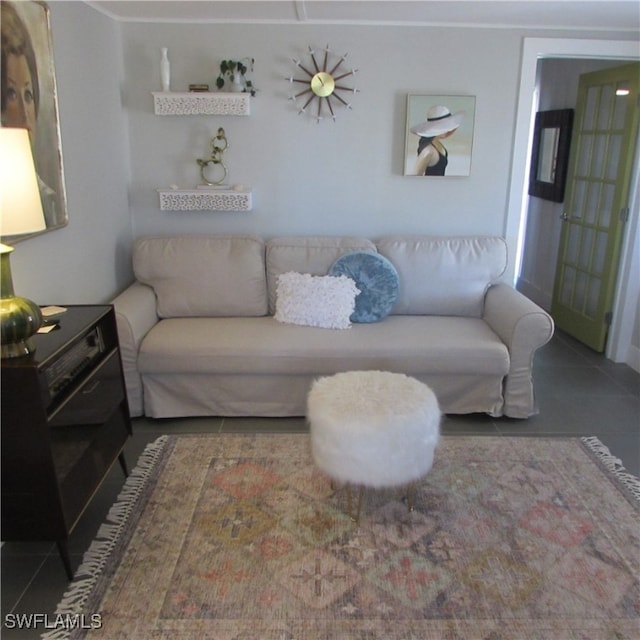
(237, 83)
(165, 70)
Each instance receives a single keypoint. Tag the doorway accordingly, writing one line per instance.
(536, 50)
(596, 206)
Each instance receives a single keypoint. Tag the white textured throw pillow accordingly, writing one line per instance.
(315, 301)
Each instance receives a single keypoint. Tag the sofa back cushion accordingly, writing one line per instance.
(310, 254)
(204, 275)
(444, 275)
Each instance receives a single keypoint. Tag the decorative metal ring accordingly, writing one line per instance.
(204, 164)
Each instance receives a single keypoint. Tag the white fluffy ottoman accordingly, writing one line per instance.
(373, 428)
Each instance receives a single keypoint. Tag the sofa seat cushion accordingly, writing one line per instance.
(413, 345)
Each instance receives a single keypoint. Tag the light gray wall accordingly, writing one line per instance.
(87, 261)
(328, 178)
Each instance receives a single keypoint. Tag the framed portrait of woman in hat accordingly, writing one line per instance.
(29, 98)
(439, 135)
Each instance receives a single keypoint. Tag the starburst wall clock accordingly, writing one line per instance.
(324, 85)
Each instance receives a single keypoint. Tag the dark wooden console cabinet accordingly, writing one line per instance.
(65, 420)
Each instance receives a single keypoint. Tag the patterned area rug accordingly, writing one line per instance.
(238, 537)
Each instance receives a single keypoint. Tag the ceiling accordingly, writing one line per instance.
(609, 15)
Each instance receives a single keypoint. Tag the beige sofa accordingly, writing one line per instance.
(198, 336)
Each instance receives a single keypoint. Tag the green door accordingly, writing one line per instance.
(605, 131)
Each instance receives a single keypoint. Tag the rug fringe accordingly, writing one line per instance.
(97, 555)
(630, 482)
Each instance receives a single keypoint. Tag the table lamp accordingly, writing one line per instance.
(20, 212)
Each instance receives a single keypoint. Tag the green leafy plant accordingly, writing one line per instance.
(230, 67)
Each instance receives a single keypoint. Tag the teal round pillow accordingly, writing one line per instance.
(377, 279)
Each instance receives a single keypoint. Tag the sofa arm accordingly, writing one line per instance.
(524, 327)
(136, 313)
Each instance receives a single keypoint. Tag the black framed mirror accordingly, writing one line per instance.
(550, 154)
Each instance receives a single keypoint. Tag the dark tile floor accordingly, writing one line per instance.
(580, 393)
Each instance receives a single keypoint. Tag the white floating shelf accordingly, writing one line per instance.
(204, 200)
(193, 103)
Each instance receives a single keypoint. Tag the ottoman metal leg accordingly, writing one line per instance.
(411, 495)
(350, 505)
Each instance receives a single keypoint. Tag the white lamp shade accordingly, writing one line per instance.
(20, 204)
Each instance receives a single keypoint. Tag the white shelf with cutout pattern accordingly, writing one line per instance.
(205, 200)
(195, 103)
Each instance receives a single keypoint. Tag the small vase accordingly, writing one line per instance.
(165, 70)
(237, 82)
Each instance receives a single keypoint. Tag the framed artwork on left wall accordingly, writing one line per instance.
(30, 99)
(439, 135)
